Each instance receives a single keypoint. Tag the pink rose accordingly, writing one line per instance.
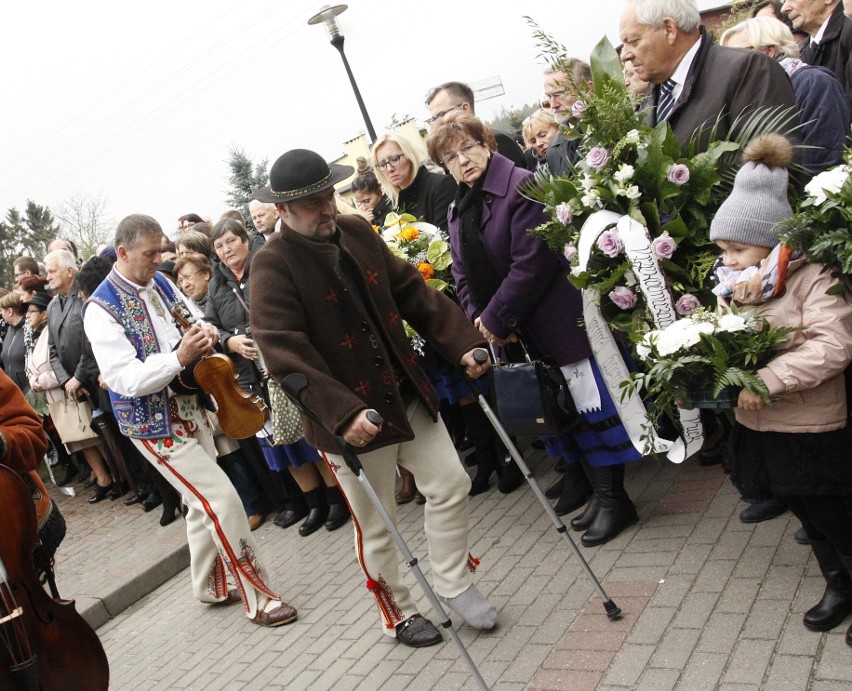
(610, 244)
(687, 304)
(570, 251)
(623, 297)
(663, 246)
(563, 213)
(677, 173)
(598, 157)
(578, 109)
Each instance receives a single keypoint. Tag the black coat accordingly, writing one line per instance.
(509, 148)
(562, 155)
(834, 51)
(428, 197)
(224, 311)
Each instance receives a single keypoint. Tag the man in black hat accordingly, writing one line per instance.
(333, 299)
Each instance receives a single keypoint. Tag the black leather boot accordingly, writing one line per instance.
(510, 476)
(486, 464)
(317, 513)
(338, 510)
(615, 512)
(847, 562)
(584, 519)
(836, 602)
(576, 489)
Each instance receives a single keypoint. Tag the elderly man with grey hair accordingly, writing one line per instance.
(697, 85)
(829, 42)
(264, 216)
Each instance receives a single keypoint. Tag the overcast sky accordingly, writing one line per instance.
(141, 102)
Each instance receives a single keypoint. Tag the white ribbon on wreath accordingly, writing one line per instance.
(652, 282)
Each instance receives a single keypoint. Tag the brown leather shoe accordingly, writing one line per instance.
(419, 498)
(256, 520)
(281, 615)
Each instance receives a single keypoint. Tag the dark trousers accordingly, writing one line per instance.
(826, 517)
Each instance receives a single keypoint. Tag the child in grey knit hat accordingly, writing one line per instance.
(795, 448)
(744, 227)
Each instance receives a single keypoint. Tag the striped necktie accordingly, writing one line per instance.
(665, 100)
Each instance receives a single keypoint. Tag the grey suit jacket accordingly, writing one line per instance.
(69, 354)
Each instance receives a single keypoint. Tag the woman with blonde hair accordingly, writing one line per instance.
(411, 188)
(820, 97)
(539, 128)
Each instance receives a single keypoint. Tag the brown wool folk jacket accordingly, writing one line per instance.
(306, 319)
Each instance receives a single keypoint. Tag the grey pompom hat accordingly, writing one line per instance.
(759, 199)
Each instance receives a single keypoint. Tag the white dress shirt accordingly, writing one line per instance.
(121, 369)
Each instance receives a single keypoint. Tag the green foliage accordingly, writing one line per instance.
(246, 176)
(21, 235)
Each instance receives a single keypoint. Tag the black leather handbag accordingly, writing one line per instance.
(531, 397)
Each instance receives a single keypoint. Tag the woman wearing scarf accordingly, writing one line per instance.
(511, 285)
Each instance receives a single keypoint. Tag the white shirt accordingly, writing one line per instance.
(121, 369)
(819, 34)
(682, 70)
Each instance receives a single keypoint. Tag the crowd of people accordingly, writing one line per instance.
(314, 289)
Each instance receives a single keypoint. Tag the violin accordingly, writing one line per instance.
(44, 643)
(241, 415)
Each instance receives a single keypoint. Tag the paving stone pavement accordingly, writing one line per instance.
(708, 602)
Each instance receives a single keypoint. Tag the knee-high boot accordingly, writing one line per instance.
(847, 562)
(584, 519)
(615, 509)
(576, 489)
(836, 602)
(479, 434)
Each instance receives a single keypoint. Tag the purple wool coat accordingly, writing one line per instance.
(535, 297)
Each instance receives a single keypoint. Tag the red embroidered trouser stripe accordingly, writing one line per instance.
(442, 480)
(216, 525)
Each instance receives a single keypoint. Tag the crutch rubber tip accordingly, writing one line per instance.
(446, 624)
(613, 611)
(563, 529)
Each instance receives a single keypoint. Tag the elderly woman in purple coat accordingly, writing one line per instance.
(512, 285)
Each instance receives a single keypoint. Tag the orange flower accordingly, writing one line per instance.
(377, 229)
(426, 270)
(408, 233)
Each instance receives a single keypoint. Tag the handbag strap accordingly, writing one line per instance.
(520, 342)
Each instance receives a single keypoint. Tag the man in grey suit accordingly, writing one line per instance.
(696, 84)
(70, 357)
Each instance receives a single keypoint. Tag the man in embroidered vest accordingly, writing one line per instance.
(333, 301)
(140, 351)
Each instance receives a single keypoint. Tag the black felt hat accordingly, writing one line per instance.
(40, 299)
(300, 173)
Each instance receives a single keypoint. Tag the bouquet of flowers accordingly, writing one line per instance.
(425, 246)
(631, 168)
(704, 360)
(421, 244)
(822, 227)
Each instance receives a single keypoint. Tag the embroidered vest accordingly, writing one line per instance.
(145, 417)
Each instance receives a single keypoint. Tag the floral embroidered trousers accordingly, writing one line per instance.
(220, 540)
(433, 460)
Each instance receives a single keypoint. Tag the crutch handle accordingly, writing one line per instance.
(375, 418)
(480, 355)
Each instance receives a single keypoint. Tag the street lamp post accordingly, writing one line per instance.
(328, 16)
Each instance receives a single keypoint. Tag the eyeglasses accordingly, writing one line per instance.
(34, 310)
(441, 115)
(391, 161)
(452, 158)
(183, 278)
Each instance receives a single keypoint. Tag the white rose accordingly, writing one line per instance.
(624, 173)
(732, 322)
(829, 181)
(591, 199)
(632, 192)
(632, 137)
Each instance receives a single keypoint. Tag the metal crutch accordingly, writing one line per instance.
(481, 356)
(293, 384)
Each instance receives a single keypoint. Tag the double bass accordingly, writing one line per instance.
(44, 643)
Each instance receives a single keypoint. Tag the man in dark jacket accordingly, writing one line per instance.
(562, 91)
(697, 85)
(830, 37)
(452, 96)
(334, 299)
